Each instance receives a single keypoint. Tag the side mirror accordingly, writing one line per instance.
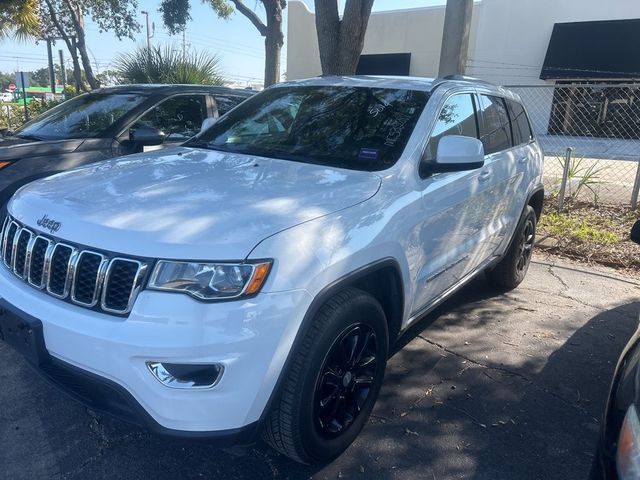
(456, 154)
(207, 122)
(147, 136)
(635, 232)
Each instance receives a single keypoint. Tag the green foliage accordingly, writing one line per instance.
(40, 77)
(168, 65)
(581, 176)
(175, 13)
(6, 79)
(117, 16)
(19, 19)
(576, 227)
(12, 114)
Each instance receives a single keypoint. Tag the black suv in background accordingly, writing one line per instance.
(105, 123)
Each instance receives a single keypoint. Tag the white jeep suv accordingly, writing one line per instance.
(254, 279)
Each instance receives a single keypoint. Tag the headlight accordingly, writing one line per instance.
(628, 451)
(210, 281)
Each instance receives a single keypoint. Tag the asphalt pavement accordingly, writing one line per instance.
(490, 386)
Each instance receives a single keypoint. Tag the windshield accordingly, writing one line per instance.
(358, 128)
(81, 117)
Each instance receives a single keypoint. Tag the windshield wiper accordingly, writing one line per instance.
(275, 154)
(28, 137)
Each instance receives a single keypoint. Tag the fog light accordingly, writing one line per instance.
(186, 375)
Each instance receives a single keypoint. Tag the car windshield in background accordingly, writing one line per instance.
(81, 117)
(358, 128)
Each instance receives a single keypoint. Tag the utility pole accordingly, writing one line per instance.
(77, 75)
(455, 37)
(184, 42)
(150, 29)
(63, 72)
(52, 75)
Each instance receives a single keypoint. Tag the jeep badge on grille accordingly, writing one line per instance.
(52, 225)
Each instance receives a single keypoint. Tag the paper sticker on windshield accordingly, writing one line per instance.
(368, 153)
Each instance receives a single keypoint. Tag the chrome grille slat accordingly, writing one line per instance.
(36, 269)
(20, 246)
(28, 254)
(80, 276)
(107, 302)
(3, 238)
(97, 281)
(8, 248)
(61, 270)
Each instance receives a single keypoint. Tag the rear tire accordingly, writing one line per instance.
(333, 380)
(512, 269)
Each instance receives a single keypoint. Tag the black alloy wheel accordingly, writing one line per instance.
(345, 381)
(333, 379)
(525, 248)
(510, 271)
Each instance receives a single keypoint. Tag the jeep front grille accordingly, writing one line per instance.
(72, 273)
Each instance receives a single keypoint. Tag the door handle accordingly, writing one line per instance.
(484, 175)
(523, 159)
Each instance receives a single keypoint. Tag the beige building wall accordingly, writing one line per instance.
(508, 42)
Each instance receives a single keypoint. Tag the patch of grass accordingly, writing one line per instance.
(589, 233)
(574, 227)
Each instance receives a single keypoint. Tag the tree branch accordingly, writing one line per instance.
(252, 16)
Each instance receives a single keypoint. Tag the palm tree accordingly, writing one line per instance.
(19, 19)
(168, 65)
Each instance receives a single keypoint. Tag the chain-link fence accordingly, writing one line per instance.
(601, 124)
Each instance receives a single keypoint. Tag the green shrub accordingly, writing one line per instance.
(168, 65)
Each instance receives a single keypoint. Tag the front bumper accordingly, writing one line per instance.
(101, 359)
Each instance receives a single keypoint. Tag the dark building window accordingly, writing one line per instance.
(384, 64)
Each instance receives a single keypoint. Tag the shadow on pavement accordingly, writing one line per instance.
(443, 413)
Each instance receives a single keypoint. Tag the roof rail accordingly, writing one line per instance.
(457, 78)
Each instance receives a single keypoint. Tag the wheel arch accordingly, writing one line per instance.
(536, 201)
(387, 270)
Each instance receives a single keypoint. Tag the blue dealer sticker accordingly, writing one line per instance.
(368, 153)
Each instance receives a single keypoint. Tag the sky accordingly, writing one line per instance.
(236, 41)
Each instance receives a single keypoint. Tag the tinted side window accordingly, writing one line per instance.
(179, 118)
(457, 117)
(520, 123)
(227, 102)
(495, 131)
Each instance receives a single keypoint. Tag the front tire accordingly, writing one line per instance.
(512, 269)
(333, 380)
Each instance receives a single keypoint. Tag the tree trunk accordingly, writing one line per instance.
(341, 41)
(272, 33)
(77, 71)
(78, 23)
(70, 46)
(273, 41)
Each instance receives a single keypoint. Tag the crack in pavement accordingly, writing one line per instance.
(104, 443)
(574, 299)
(557, 277)
(509, 372)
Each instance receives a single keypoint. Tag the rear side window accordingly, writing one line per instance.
(519, 123)
(227, 102)
(495, 131)
(457, 117)
(178, 117)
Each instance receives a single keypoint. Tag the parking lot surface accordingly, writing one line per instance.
(489, 386)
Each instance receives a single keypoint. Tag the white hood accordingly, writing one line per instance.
(187, 203)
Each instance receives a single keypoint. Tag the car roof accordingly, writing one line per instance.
(388, 81)
(379, 81)
(168, 89)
